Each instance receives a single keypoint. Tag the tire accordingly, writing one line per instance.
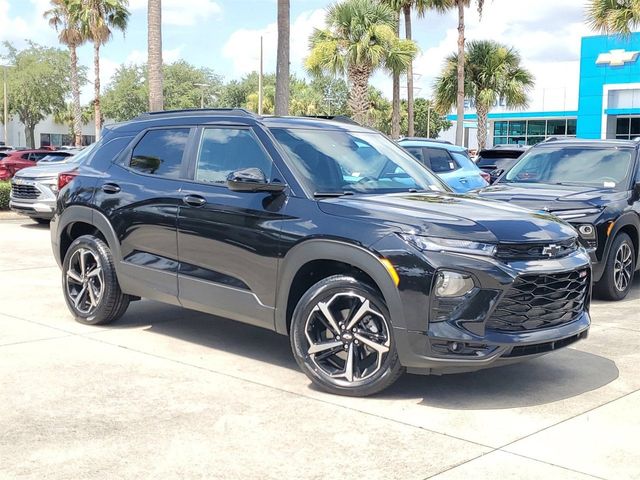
(322, 315)
(619, 269)
(102, 301)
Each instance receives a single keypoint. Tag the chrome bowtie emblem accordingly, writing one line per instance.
(617, 58)
(551, 250)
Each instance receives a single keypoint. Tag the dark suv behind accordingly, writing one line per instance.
(321, 230)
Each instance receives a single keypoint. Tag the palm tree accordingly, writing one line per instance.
(65, 116)
(358, 39)
(492, 71)
(154, 63)
(461, 4)
(614, 16)
(282, 66)
(98, 18)
(63, 17)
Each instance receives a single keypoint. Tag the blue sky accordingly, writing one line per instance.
(224, 35)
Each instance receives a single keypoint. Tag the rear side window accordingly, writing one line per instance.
(440, 160)
(160, 152)
(417, 152)
(225, 150)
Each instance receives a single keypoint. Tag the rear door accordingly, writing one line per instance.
(140, 196)
(228, 241)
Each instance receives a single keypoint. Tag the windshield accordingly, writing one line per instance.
(336, 161)
(56, 158)
(589, 166)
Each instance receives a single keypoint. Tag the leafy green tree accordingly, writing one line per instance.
(65, 116)
(614, 16)
(39, 84)
(127, 95)
(427, 117)
(63, 17)
(492, 71)
(359, 38)
(97, 20)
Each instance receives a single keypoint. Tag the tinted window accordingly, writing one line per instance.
(160, 152)
(440, 160)
(225, 150)
(603, 167)
(417, 152)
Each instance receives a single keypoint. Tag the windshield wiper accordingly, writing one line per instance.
(331, 194)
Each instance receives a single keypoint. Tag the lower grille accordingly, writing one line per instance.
(540, 301)
(26, 192)
(538, 348)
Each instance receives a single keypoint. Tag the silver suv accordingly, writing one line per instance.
(34, 190)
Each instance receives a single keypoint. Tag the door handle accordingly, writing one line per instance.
(110, 188)
(194, 200)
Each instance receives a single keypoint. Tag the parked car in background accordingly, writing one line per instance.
(34, 189)
(321, 230)
(57, 156)
(595, 186)
(497, 160)
(450, 162)
(18, 159)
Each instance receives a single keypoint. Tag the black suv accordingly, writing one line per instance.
(321, 230)
(594, 185)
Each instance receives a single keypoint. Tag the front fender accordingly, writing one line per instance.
(334, 250)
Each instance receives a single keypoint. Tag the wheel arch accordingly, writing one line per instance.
(628, 223)
(78, 220)
(323, 252)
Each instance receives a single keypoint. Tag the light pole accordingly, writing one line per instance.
(5, 103)
(202, 87)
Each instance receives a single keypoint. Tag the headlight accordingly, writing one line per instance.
(569, 214)
(51, 183)
(434, 244)
(453, 284)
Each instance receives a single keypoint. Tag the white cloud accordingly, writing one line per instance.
(168, 55)
(183, 13)
(546, 33)
(243, 46)
(16, 29)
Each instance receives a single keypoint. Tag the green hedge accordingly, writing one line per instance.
(5, 188)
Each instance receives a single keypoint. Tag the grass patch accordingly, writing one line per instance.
(5, 189)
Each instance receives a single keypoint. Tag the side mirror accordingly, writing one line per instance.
(252, 180)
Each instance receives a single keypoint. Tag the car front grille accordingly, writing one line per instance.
(24, 192)
(536, 251)
(540, 301)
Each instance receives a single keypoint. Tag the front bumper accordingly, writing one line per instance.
(38, 209)
(41, 201)
(468, 340)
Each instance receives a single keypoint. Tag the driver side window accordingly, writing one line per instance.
(225, 150)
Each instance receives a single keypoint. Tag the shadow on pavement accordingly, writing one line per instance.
(32, 225)
(560, 375)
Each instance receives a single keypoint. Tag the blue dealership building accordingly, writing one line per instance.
(607, 104)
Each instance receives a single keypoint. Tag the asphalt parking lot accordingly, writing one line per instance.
(172, 393)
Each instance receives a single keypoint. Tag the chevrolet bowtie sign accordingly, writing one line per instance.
(617, 58)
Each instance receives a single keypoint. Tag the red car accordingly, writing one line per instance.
(16, 160)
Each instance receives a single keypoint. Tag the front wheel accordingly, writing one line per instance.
(342, 338)
(617, 279)
(90, 285)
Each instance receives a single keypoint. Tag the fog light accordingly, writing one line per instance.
(587, 231)
(453, 284)
(456, 347)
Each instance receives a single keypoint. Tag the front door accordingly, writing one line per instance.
(228, 241)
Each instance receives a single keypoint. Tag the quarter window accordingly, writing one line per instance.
(225, 150)
(160, 152)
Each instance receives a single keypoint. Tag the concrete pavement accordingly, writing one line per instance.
(172, 393)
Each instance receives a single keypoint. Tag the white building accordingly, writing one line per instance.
(47, 133)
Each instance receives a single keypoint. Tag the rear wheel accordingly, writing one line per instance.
(617, 278)
(90, 285)
(342, 338)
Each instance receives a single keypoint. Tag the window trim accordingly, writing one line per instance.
(125, 158)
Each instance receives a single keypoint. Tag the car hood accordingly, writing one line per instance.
(45, 171)
(454, 216)
(539, 196)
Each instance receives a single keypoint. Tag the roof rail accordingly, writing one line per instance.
(550, 139)
(335, 118)
(427, 139)
(222, 111)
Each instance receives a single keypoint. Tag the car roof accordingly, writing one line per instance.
(584, 142)
(429, 142)
(180, 117)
